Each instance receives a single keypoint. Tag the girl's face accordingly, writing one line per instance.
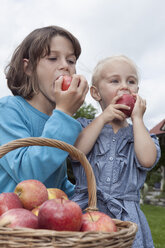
(60, 61)
(116, 77)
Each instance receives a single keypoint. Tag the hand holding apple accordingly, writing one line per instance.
(128, 100)
(97, 221)
(32, 193)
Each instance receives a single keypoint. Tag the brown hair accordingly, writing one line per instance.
(33, 47)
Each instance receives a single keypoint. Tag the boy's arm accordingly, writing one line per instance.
(145, 148)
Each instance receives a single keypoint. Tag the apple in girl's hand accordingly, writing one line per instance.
(19, 217)
(128, 100)
(60, 215)
(97, 221)
(32, 193)
(8, 201)
(66, 82)
(54, 193)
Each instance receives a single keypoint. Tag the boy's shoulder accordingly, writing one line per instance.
(9, 100)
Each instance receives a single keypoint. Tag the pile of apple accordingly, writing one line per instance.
(32, 205)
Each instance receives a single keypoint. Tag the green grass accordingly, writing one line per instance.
(156, 219)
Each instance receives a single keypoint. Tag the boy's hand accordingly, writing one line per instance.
(69, 101)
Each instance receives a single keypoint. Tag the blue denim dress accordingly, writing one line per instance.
(119, 178)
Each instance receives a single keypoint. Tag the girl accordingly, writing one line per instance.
(39, 108)
(120, 153)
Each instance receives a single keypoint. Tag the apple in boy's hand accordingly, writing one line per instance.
(128, 100)
(19, 217)
(54, 193)
(60, 215)
(97, 221)
(32, 193)
(8, 201)
(66, 82)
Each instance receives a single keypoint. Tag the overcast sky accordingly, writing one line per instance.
(135, 28)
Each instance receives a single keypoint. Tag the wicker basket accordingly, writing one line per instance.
(37, 238)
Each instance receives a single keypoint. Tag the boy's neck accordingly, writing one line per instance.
(42, 104)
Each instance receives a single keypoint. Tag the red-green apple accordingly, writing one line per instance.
(32, 193)
(54, 193)
(19, 217)
(97, 221)
(66, 82)
(8, 201)
(60, 215)
(129, 100)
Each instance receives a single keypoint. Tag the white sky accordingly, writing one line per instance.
(135, 28)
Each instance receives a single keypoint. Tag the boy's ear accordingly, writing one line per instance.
(26, 67)
(94, 93)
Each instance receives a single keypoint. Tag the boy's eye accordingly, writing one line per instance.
(53, 58)
(71, 61)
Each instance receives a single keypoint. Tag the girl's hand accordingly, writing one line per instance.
(69, 101)
(139, 108)
(113, 111)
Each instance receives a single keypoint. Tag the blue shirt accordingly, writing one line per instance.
(18, 119)
(119, 178)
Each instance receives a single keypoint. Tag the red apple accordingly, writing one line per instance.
(54, 193)
(32, 193)
(60, 215)
(128, 100)
(8, 201)
(66, 82)
(19, 217)
(97, 221)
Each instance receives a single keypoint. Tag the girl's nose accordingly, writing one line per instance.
(124, 84)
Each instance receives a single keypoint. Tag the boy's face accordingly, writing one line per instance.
(60, 61)
(117, 77)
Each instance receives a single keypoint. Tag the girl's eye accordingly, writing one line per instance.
(131, 82)
(114, 81)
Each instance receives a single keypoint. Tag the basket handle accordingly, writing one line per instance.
(74, 152)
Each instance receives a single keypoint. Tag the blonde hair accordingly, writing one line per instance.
(96, 72)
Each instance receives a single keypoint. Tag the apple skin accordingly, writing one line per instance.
(97, 221)
(66, 82)
(32, 193)
(8, 201)
(54, 193)
(129, 100)
(19, 217)
(60, 215)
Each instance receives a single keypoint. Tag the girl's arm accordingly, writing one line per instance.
(145, 148)
(89, 135)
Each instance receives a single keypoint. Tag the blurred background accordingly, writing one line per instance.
(135, 28)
